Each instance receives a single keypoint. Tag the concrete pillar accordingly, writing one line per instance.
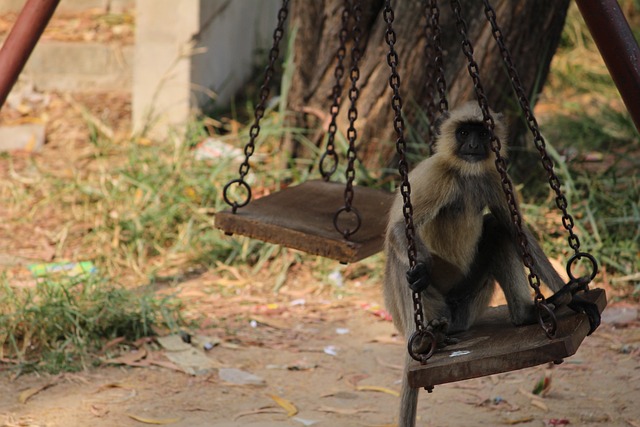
(191, 52)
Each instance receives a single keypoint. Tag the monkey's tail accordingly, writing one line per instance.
(408, 401)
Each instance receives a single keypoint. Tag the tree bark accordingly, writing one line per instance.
(531, 28)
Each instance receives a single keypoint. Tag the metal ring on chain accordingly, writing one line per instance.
(347, 232)
(235, 205)
(551, 326)
(578, 256)
(422, 357)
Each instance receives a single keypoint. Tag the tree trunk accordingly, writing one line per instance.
(531, 28)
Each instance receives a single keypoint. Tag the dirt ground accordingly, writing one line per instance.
(337, 363)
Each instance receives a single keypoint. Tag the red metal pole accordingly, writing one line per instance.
(618, 47)
(21, 40)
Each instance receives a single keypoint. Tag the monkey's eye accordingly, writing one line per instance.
(463, 133)
(484, 134)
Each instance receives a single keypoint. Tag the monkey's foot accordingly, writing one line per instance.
(439, 328)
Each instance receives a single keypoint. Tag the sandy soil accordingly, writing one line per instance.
(338, 370)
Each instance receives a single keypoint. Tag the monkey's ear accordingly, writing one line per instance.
(438, 123)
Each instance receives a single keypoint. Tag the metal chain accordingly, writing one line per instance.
(336, 93)
(405, 187)
(532, 123)
(254, 131)
(435, 68)
(440, 81)
(352, 134)
(501, 166)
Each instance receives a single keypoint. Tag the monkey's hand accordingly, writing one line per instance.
(419, 277)
(569, 295)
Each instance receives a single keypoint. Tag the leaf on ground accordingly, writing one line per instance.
(287, 405)
(378, 389)
(518, 421)
(354, 379)
(539, 404)
(29, 393)
(98, 410)
(155, 421)
(344, 411)
(133, 358)
(264, 410)
(274, 323)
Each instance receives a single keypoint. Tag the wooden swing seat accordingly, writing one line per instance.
(494, 345)
(301, 217)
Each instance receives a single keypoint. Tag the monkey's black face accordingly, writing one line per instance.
(473, 141)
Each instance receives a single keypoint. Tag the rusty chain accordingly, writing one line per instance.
(254, 131)
(405, 187)
(538, 140)
(501, 165)
(436, 81)
(352, 134)
(336, 93)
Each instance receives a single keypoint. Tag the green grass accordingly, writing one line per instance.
(61, 323)
(597, 149)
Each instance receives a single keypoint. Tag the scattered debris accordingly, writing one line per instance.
(263, 410)
(331, 350)
(239, 377)
(557, 422)
(155, 421)
(191, 358)
(216, 149)
(285, 404)
(70, 269)
(543, 386)
(344, 411)
(515, 421)
(27, 137)
(304, 421)
(378, 389)
(29, 393)
(377, 311)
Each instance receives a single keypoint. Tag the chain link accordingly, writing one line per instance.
(436, 81)
(254, 131)
(352, 114)
(336, 93)
(532, 123)
(403, 169)
(501, 165)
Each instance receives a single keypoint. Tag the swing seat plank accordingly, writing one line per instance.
(301, 217)
(494, 345)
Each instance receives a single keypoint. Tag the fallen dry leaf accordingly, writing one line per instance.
(99, 410)
(29, 393)
(344, 411)
(156, 421)
(264, 410)
(287, 405)
(517, 421)
(133, 358)
(539, 404)
(377, 388)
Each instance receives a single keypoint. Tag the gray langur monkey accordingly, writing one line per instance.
(461, 250)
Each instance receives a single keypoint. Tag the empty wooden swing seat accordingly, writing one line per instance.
(494, 346)
(301, 217)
